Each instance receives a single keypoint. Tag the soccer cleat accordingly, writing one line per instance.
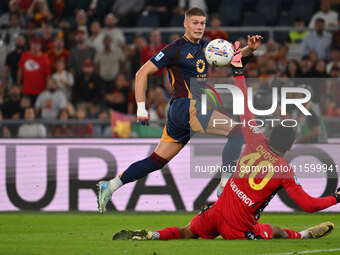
(104, 195)
(133, 235)
(320, 230)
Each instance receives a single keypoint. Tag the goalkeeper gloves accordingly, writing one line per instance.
(238, 61)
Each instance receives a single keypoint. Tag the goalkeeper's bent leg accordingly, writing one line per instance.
(138, 170)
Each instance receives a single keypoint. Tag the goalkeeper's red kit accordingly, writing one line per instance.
(259, 174)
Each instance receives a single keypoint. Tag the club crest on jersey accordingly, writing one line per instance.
(200, 65)
(159, 56)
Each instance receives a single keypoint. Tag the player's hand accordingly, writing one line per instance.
(142, 114)
(254, 41)
(236, 62)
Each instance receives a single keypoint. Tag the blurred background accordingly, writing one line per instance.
(67, 67)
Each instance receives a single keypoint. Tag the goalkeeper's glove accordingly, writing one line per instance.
(337, 195)
(238, 61)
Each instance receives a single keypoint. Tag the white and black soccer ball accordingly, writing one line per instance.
(219, 53)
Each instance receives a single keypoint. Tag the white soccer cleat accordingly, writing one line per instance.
(320, 230)
(104, 195)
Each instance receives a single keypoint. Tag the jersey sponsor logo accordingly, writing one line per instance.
(241, 194)
(31, 65)
(189, 55)
(297, 181)
(200, 66)
(159, 56)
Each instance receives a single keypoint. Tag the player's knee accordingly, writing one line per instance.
(186, 233)
(278, 232)
(161, 162)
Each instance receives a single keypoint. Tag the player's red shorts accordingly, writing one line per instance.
(210, 224)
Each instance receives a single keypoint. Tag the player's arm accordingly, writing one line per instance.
(141, 82)
(237, 66)
(156, 63)
(306, 202)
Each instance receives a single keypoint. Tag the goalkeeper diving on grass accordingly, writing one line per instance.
(184, 59)
(236, 213)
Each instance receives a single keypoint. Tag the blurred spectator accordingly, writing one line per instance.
(34, 69)
(335, 72)
(95, 8)
(82, 129)
(106, 130)
(160, 8)
(109, 62)
(96, 39)
(64, 79)
(156, 102)
(11, 108)
(118, 98)
(117, 36)
(31, 129)
(58, 9)
(317, 40)
(46, 39)
(270, 53)
(311, 128)
(61, 130)
(127, 11)
(30, 32)
(4, 131)
(173, 37)
(25, 102)
(281, 58)
(57, 53)
(81, 22)
(299, 32)
(335, 59)
(12, 60)
(156, 79)
(313, 56)
(305, 67)
(331, 109)
(293, 68)
(139, 43)
(87, 88)
(39, 11)
(319, 70)
(24, 5)
(329, 16)
(5, 18)
(14, 30)
(214, 31)
(182, 5)
(79, 53)
(50, 102)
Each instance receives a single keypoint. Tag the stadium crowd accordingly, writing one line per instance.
(71, 60)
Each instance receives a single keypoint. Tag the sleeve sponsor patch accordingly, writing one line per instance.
(159, 56)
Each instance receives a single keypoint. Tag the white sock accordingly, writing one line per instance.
(304, 234)
(116, 183)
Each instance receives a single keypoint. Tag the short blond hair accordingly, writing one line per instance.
(194, 11)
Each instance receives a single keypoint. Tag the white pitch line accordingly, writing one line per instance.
(304, 252)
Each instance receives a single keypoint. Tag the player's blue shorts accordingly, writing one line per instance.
(184, 118)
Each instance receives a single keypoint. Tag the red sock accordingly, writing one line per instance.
(169, 233)
(292, 234)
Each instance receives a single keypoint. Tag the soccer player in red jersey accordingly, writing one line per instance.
(184, 59)
(236, 213)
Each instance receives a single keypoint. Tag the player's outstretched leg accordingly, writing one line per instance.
(134, 172)
(318, 231)
(163, 234)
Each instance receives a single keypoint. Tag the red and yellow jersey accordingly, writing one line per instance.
(259, 174)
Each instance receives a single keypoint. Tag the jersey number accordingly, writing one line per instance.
(247, 165)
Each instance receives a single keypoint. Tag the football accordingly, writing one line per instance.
(219, 52)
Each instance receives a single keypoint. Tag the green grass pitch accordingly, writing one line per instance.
(90, 233)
